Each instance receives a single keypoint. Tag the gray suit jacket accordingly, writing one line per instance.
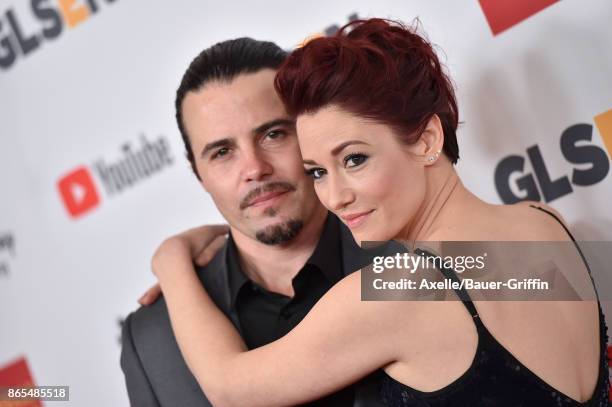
(156, 374)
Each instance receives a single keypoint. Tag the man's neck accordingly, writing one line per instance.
(274, 266)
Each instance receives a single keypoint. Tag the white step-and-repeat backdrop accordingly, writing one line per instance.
(88, 85)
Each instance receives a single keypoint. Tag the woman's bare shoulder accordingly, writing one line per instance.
(528, 221)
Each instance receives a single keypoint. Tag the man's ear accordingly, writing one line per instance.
(199, 178)
(196, 172)
(432, 139)
(203, 185)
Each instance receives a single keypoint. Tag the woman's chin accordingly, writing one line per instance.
(367, 240)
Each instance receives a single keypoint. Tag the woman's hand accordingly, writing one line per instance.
(150, 295)
(200, 244)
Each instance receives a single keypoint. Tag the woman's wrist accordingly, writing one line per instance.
(171, 257)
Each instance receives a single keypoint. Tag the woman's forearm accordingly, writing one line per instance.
(207, 339)
(316, 358)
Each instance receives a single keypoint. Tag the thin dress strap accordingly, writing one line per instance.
(575, 244)
(450, 274)
(465, 297)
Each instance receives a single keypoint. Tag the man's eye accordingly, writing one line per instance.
(354, 160)
(275, 134)
(315, 173)
(220, 153)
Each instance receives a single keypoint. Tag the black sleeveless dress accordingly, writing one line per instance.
(496, 377)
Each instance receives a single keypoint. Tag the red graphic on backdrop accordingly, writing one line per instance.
(17, 374)
(610, 366)
(503, 14)
(78, 192)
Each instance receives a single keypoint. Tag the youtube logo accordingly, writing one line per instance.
(78, 192)
(503, 14)
(134, 165)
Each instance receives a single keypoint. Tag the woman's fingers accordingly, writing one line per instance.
(207, 254)
(150, 295)
(200, 244)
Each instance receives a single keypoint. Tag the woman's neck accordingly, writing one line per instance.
(444, 195)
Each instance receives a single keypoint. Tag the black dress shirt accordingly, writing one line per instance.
(266, 316)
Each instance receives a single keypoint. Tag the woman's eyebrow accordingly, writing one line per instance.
(336, 150)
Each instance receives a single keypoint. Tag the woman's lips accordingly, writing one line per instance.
(355, 219)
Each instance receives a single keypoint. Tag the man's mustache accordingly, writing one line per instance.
(279, 186)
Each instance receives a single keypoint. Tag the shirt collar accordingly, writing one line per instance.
(236, 276)
(326, 258)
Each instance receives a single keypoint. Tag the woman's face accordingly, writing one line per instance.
(362, 172)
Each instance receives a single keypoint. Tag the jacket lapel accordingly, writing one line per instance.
(215, 279)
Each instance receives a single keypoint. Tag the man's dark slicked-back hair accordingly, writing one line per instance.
(223, 62)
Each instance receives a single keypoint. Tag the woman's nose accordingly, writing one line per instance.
(339, 195)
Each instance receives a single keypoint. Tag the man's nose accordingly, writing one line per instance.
(255, 166)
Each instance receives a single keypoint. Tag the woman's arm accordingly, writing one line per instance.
(341, 340)
(206, 241)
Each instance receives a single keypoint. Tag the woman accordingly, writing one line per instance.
(376, 122)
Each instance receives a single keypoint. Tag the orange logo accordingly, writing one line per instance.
(603, 121)
(20, 40)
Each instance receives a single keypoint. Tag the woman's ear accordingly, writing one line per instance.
(433, 139)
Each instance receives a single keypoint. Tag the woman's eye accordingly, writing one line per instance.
(353, 160)
(315, 173)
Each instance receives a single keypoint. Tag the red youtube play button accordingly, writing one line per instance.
(78, 192)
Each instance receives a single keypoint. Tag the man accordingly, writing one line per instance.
(284, 251)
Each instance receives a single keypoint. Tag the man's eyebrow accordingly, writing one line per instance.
(273, 123)
(218, 143)
(342, 146)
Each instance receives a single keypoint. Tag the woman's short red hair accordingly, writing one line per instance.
(377, 69)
